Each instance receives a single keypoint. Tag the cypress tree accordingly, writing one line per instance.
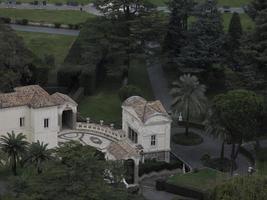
(233, 41)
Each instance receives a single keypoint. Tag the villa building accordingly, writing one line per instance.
(147, 125)
(51, 119)
(32, 111)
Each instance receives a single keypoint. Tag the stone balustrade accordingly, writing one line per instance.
(102, 130)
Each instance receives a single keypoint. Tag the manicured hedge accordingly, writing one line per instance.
(6, 20)
(181, 190)
(156, 166)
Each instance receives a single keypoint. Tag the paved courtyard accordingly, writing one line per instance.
(86, 138)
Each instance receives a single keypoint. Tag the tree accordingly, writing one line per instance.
(204, 49)
(255, 7)
(14, 146)
(233, 40)
(189, 97)
(129, 29)
(175, 37)
(214, 128)
(245, 188)
(37, 154)
(238, 112)
(254, 54)
(77, 172)
(16, 61)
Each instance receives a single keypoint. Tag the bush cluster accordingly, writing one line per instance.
(22, 21)
(156, 166)
(6, 20)
(72, 3)
(128, 91)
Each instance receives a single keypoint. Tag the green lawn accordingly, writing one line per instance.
(41, 44)
(262, 168)
(105, 103)
(46, 16)
(246, 21)
(203, 180)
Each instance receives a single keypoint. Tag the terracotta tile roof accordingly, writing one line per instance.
(33, 96)
(145, 109)
(63, 98)
(122, 150)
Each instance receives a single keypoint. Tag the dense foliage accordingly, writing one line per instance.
(245, 188)
(18, 65)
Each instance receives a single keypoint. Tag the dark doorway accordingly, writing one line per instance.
(129, 167)
(67, 119)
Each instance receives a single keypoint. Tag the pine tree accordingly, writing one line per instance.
(175, 37)
(206, 39)
(255, 7)
(254, 50)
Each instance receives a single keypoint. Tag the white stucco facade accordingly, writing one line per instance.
(42, 122)
(152, 126)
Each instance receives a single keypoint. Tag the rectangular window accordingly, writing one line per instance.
(153, 140)
(132, 135)
(22, 121)
(46, 123)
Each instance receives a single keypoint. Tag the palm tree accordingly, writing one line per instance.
(37, 154)
(3, 159)
(188, 97)
(14, 146)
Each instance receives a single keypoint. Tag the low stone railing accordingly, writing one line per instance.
(102, 130)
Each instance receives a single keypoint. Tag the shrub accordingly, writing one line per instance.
(128, 91)
(184, 191)
(6, 20)
(156, 166)
(58, 4)
(22, 21)
(18, 2)
(71, 26)
(72, 3)
(57, 25)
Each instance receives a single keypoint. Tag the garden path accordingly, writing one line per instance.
(37, 29)
(190, 154)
